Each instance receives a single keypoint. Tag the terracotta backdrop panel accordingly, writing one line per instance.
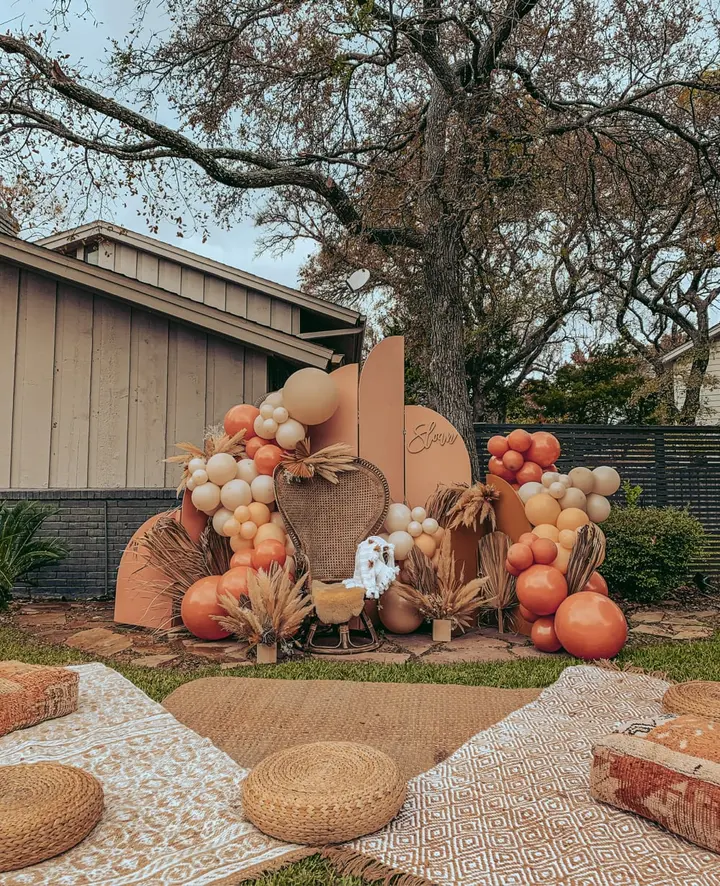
(434, 453)
(343, 426)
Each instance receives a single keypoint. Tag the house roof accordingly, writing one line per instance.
(104, 230)
(108, 283)
(671, 356)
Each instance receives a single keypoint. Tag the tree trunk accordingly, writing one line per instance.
(693, 385)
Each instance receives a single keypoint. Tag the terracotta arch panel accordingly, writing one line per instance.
(343, 426)
(434, 453)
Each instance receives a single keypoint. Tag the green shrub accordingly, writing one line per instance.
(650, 551)
(21, 553)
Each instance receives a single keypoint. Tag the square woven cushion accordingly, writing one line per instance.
(670, 774)
(30, 694)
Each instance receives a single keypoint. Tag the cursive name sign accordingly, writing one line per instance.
(425, 435)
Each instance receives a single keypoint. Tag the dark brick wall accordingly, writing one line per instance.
(96, 525)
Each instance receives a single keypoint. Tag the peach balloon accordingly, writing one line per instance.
(547, 530)
(242, 514)
(259, 513)
(427, 544)
(530, 472)
(544, 449)
(198, 604)
(519, 440)
(520, 556)
(562, 560)
(544, 551)
(238, 543)
(438, 534)
(248, 529)
(513, 570)
(567, 538)
(527, 614)
(542, 509)
(527, 538)
(571, 518)
(396, 614)
(231, 527)
(241, 558)
(497, 446)
(241, 418)
(596, 584)
(541, 589)
(590, 626)
(234, 582)
(269, 530)
(311, 396)
(543, 635)
(512, 460)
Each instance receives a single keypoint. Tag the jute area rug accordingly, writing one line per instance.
(418, 724)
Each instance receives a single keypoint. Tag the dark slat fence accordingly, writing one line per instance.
(676, 466)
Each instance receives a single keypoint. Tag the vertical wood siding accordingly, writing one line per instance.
(94, 393)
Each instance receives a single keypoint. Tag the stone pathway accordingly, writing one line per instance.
(89, 626)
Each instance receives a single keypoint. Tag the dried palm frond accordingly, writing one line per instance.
(492, 550)
(215, 440)
(216, 550)
(443, 500)
(450, 597)
(326, 463)
(475, 506)
(277, 608)
(587, 554)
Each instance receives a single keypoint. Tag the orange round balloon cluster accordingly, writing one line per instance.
(521, 457)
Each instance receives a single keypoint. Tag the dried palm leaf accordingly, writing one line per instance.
(587, 555)
(216, 550)
(475, 506)
(443, 500)
(277, 608)
(215, 441)
(492, 550)
(326, 463)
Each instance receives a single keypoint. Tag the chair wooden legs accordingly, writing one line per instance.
(343, 642)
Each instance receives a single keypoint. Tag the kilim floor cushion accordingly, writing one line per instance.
(30, 694)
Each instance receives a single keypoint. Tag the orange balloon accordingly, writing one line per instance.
(198, 604)
(571, 518)
(241, 418)
(527, 615)
(562, 561)
(519, 440)
(512, 460)
(529, 473)
(544, 449)
(234, 582)
(541, 589)
(520, 556)
(544, 551)
(543, 635)
(527, 538)
(542, 508)
(512, 569)
(267, 458)
(241, 558)
(597, 584)
(427, 544)
(268, 552)
(495, 466)
(497, 446)
(252, 446)
(590, 626)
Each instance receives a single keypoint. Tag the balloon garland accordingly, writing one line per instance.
(588, 624)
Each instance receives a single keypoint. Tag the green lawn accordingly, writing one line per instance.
(680, 661)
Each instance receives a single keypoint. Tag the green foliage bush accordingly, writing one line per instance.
(650, 551)
(21, 552)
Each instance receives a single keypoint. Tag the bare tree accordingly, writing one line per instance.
(458, 108)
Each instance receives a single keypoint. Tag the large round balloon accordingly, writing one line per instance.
(527, 490)
(543, 635)
(583, 479)
(512, 460)
(234, 581)
(289, 433)
(396, 614)
(519, 440)
(398, 517)
(310, 396)
(206, 498)
(235, 493)
(544, 551)
(541, 589)
(198, 604)
(547, 530)
(598, 507)
(241, 418)
(402, 542)
(544, 449)
(590, 626)
(542, 509)
(221, 468)
(606, 481)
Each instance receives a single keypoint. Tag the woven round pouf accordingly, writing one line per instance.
(45, 809)
(700, 697)
(325, 792)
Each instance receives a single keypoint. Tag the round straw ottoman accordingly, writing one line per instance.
(324, 792)
(701, 697)
(45, 809)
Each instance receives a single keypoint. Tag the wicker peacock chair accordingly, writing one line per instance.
(326, 523)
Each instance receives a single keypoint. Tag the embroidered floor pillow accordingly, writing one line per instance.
(30, 694)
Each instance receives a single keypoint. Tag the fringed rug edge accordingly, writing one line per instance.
(354, 864)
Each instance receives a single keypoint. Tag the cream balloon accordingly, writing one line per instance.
(418, 514)
(246, 470)
(269, 530)
(582, 479)
(259, 428)
(238, 543)
(196, 464)
(231, 527)
(398, 517)
(606, 481)
(430, 526)
(598, 507)
(280, 415)
(549, 477)
(403, 543)
(557, 489)
(221, 468)
(565, 480)
(266, 410)
(220, 518)
(289, 545)
(277, 519)
(275, 399)
(235, 493)
(199, 477)
(289, 434)
(573, 498)
(270, 427)
(310, 396)
(414, 528)
(190, 484)
(263, 489)
(527, 490)
(206, 497)
(567, 538)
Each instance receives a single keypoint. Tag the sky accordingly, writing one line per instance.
(86, 40)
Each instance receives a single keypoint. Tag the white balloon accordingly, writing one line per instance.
(549, 477)
(196, 464)
(583, 479)
(280, 414)
(414, 528)
(246, 470)
(398, 517)
(200, 476)
(402, 542)
(418, 514)
(220, 518)
(598, 507)
(206, 497)
(557, 490)
(267, 409)
(527, 490)
(262, 489)
(221, 467)
(274, 399)
(235, 493)
(573, 498)
(606, 481)
(430, 526)
(289, 434)
(190, 484)
(259, 428)
(270, 427)
(564, 479)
